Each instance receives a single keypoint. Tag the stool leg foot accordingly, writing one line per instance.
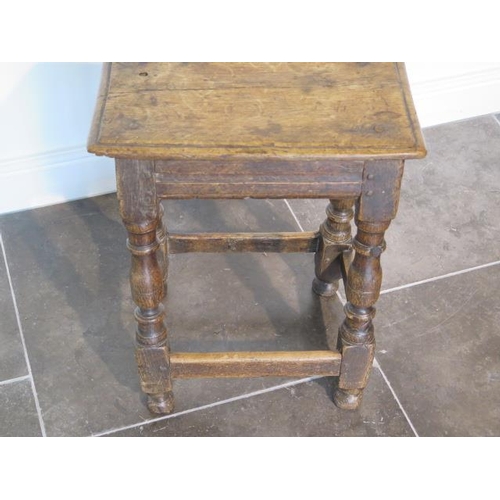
(161, 404)
(328, 260)
(347, 399)
(323, 288)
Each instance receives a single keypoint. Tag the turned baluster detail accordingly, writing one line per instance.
(152, 350)
(375, 209)
(329, 261)
(141, 216)
(356, 334)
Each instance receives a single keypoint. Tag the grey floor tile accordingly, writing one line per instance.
(301, 410)
(448, 216)
(18, 415)
(70, 271)
(439, 345)
(12, 362)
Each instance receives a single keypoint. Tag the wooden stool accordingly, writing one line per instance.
(339, 131)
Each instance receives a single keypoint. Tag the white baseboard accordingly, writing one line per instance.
(53, 177)
(70, 174)
(457, 97)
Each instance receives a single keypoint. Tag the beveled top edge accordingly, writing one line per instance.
(156, 152)
(420, 148)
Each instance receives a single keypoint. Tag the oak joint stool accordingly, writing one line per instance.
(339, 131)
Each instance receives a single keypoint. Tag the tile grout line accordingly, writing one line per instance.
(18, 318)
(294, 216)
(377, 365)
(375, 362)
(14, 380)
(210, 405)
(437, 278)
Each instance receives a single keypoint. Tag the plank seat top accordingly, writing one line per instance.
(303, 111)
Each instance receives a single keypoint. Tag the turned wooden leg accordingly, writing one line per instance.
(356, 337)
(328, 259)
(139, 211)
(375, 209)
(161, 237)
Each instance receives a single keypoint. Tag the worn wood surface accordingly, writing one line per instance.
(136, 192)
(255, 364)
(272, 178)
(266, 110)
(243, 242)
(291, 130)
(379, 198)
(335, 239)
(356, 334)
(375, 209)
(142, 218)
(161, 237)
(150, 359)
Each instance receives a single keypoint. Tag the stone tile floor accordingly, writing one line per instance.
(66, 328)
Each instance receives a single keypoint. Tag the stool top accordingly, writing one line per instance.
(255, 110)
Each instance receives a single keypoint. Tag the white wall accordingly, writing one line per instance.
(45, 114)
(445, 92)
(46, 109)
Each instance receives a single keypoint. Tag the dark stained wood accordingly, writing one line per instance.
(258, 179)
(161, 237)
(243, 242)
(137, 194)
(228, 189)
(150, 359)
(375, 209)
(381, 186)
(335, 240)
(141, 217)
(356, 334)
(266, 110)
(255, 364)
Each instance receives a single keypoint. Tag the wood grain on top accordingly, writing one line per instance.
(255, 110)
